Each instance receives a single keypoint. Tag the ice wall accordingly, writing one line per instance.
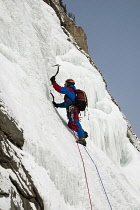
(32, 41)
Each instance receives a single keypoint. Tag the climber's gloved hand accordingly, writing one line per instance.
(55, 104)
(52, 79)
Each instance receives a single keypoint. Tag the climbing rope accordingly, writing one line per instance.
(99, 178)
(85, 176)
(84, 171)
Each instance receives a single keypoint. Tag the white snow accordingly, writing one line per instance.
(31, 42)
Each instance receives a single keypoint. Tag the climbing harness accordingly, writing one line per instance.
(99, 177)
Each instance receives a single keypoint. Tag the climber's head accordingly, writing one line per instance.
(69, 82)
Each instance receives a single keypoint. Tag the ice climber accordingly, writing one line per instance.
(72, 111)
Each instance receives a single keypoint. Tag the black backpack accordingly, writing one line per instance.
(80, 100)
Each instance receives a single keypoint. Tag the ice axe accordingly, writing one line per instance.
(57, 69)
(55, 104)
(55, 76)
(52, 96)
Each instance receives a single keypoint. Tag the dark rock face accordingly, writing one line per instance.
(21, 189)
(132, 136)
(69, 24)
(9, 128)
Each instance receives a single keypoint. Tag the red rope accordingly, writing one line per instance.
(85, 176)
